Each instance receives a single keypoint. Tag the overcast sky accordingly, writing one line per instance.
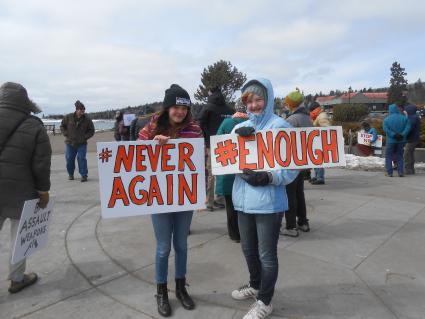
(112, 54)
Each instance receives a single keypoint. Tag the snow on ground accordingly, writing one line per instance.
(371, 163)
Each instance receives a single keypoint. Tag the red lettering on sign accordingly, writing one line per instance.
(265, 151)
(278, 141)
(185, 152)
(155, 192)
(124, 158)
(243, 152)
(140, 157)
(184, 189)
(318, 159)
(118, 193)
(331, 146)
(132, 192)
(165, 158)
(295, 150)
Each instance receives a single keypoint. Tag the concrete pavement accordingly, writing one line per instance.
(364, 258)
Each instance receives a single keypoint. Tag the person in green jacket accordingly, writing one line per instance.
(224, 183)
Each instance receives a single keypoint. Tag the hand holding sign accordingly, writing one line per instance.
(161, 139)
(33, 229)
(255, 178)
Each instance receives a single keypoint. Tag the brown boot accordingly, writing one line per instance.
(17, 286)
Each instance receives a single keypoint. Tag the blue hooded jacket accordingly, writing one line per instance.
(396, 123)
(270, 198)
(415, 124)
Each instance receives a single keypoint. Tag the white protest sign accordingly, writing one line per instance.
(128, 118)
(289, 148)
(33, 229)
(365, 138)
(143, 177)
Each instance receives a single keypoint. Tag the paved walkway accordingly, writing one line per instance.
(364, 258)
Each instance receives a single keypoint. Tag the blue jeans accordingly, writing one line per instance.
(259, 237)
(394, 151)
(169, 226)
(80, 152)
(319, 174)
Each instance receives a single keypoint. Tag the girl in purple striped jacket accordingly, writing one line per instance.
(174, 121)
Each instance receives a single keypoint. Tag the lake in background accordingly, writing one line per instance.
(99, 125)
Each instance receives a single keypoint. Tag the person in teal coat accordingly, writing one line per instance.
(224, 183)
(396, 127)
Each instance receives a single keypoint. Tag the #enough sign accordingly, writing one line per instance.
(289, 148)
(143, 177)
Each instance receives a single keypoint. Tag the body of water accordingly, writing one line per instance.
(99, 125)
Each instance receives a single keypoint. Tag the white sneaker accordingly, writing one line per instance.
(289, 232)
(244, 292)
(259, 310)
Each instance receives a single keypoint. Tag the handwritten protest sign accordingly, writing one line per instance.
(33, 229)
(365, 138)
(128, 118)
(293, 148)
(143, 177)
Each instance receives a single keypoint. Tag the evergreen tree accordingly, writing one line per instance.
(397, 85)
(221, 74)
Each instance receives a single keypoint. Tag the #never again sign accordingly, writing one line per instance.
(289, 148)
(33, 229)
(143, 177)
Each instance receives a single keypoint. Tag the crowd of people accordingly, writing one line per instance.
(255, 201)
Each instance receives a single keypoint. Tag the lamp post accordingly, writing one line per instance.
(349, 94)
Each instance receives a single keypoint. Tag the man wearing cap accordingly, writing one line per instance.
(77, 129)
(25, 155)
(296, 215)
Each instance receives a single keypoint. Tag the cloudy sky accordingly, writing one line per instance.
(116, 53)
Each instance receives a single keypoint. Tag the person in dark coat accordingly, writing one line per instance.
(137, 124)
(121, 132)
(224, 183)
(210, 118)
(412, 139)
(77, 129)
(25, 155)
(296, 215)
(396, 127)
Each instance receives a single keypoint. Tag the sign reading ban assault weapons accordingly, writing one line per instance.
(143, 177)
(290, 148)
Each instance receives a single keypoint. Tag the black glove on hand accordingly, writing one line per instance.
(245, 131)
(255, 178)
(398, 137)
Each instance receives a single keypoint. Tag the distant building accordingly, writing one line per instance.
(376, 102)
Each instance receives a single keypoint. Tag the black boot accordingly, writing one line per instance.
(182, 295)
(164, 308)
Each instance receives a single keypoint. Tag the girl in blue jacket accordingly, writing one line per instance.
(260, 200)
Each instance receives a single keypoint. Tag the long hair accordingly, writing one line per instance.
(163, 126)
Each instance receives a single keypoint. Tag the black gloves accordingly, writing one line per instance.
(398, 137)
(255, 178)
(245, 131)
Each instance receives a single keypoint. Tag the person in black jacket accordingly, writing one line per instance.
(210, 118)
(25, 156)
(138, 123)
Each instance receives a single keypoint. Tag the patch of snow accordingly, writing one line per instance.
(371, 163)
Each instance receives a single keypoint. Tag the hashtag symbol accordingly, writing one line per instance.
(226, 152)
(105, 155)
